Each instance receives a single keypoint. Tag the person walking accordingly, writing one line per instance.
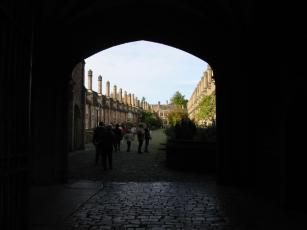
(98, 139)
(140, 136)
(118, 137)
(147, 136)
(107, 146)
(129, 137)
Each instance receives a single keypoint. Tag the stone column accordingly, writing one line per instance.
(99, 85)
(115, 92)
(108, 89)
(121, 95)
(125, 97)
(136, 101)
(159, 104)
(89, 80)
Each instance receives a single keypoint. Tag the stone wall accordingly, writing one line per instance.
(205, 87)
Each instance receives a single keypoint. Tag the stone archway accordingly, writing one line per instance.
(42, 43)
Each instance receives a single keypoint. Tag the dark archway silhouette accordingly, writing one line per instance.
(41, 43)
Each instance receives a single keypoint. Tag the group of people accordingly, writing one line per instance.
(107, 138)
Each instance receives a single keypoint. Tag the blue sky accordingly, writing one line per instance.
(148, 69)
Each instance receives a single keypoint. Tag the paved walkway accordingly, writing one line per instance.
(141, 193)
(130, 166)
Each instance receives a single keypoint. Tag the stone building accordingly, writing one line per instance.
(205, 87)
(163, 111)
(112, 107)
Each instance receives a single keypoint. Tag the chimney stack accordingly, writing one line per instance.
(99, 85)
(108, 89)
(120, 95)
(89, 80)
(114, 92)
(125, 97)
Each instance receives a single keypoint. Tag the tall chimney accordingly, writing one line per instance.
(89, 80)
(133, 100)
(209, 70)
(205, 80)
(129, 99)
(99, 85)
(125, 97)
(202, 81)
(108, 89)
(120, 95)
(114, 92)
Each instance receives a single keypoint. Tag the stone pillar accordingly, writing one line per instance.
(108, 89)
(132, 98)
(99, 85)
(115, 92)
(121, 95)
(89, 80)
(136, 101)
(159, 104)
(125, 97)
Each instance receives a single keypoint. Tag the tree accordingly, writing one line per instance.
(179, 100)
(207, 108)
(177, 115)
(151, 119)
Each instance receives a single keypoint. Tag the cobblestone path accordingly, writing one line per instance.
(141, 193)
(159, 205)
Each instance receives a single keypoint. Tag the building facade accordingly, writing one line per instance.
(163, 111)
(111, 108)
(205, 87)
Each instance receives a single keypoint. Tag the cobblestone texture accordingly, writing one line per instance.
(141, 193)
(160, 205)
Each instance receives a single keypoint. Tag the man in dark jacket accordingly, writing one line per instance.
(147, 138)
(98, 139)
(107, 147)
